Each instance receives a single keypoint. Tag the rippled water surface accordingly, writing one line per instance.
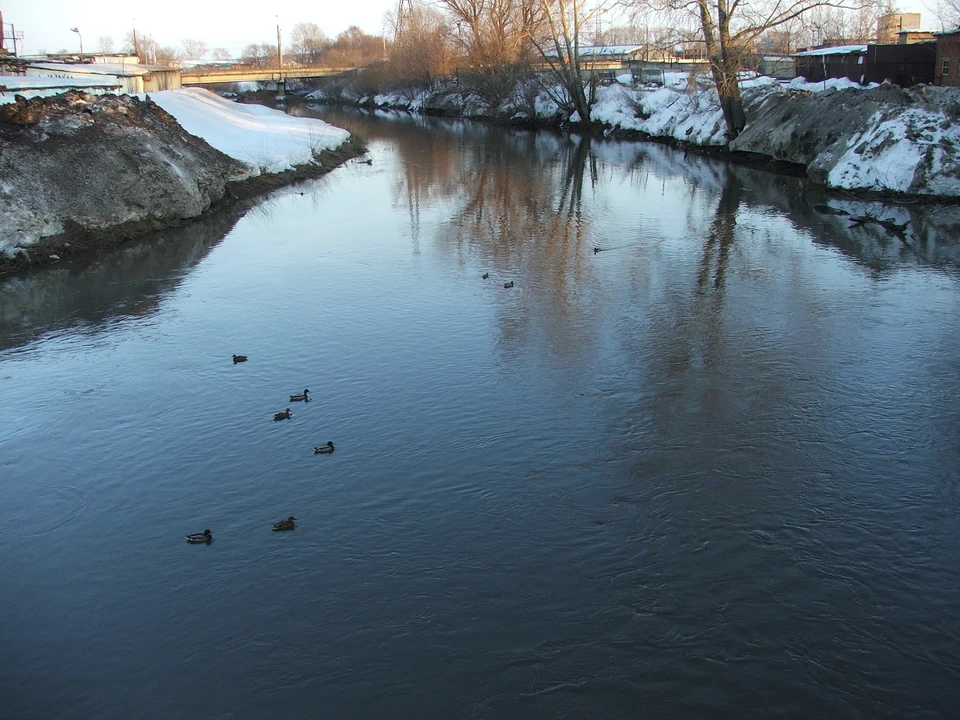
(710, 471)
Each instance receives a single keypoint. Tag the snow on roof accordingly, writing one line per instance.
(609, 49)
(19, 82)
(116, 69)
(265, 139)
(604, 50)
(838, 50)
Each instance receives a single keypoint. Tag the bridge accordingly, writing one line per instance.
(215, 76)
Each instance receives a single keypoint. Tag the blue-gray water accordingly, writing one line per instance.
(709, 472)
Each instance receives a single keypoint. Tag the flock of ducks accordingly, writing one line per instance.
(290, 523)
(506, 285)
(206, 537)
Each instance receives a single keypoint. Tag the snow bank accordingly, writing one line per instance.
(266, 140)
(801, 83)
(879, 138)
(912, 152)
(882, 139)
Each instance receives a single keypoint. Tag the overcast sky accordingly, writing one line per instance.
(46, 24)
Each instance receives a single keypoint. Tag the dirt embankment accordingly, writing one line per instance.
(886, 139)
(81, 172)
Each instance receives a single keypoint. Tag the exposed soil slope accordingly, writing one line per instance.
(77, 162)
(886, 139)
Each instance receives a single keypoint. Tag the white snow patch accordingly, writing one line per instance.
(800, 83)
(266, 140)
(889, 155)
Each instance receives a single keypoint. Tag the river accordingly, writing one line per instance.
(710, 471)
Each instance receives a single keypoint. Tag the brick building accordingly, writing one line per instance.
(947, 67)
(903, 65)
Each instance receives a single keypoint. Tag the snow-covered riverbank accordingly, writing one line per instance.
(264, 139)
(77, 167)
(881, 139)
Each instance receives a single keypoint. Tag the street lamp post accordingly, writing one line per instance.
(79, 36)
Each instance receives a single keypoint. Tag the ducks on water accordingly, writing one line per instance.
(486, 275)
(285, 415)
(199, 538)
(239, 359)
(300, 398)
(288, 524)
(324, 449)
(508, 285)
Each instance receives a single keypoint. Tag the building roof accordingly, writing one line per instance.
(838, 50)
(609, 49)
(605, 50)
(114, 69)
(20, 82)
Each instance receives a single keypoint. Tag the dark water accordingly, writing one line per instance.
(709, 472)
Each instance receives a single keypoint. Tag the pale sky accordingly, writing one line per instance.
(46, 24)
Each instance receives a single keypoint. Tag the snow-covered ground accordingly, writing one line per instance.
(905, 146)
(266, 140)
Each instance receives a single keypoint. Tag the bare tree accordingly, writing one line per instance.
(221, 54)
(308, 42)
(565, 22)
(166, 56)
(947, 13)
(783, 40)
(730, 29)
(354, 48)
(140, 44)
(826, 25)
(621, 35)
(105, 45)
(194, 49)
(422, 53)
(259, 55)
(149, 51)
(493, 38)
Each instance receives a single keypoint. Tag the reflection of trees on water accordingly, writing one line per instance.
(129, 281)
(716, 250)
(525, 210)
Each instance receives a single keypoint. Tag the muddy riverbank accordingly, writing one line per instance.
(84, 172)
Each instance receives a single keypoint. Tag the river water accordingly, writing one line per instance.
(710, 471)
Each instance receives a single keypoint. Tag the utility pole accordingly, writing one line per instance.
(281, 88)
(77, 31)
(136, 47)
(279, 50)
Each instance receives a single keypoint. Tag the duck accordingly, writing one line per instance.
(198, 538)
(596, 250)
(508, 285)
(324, 449)
(285, 415)
(288, 524)
(239, 359)
(300, 398)
(486, 275)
